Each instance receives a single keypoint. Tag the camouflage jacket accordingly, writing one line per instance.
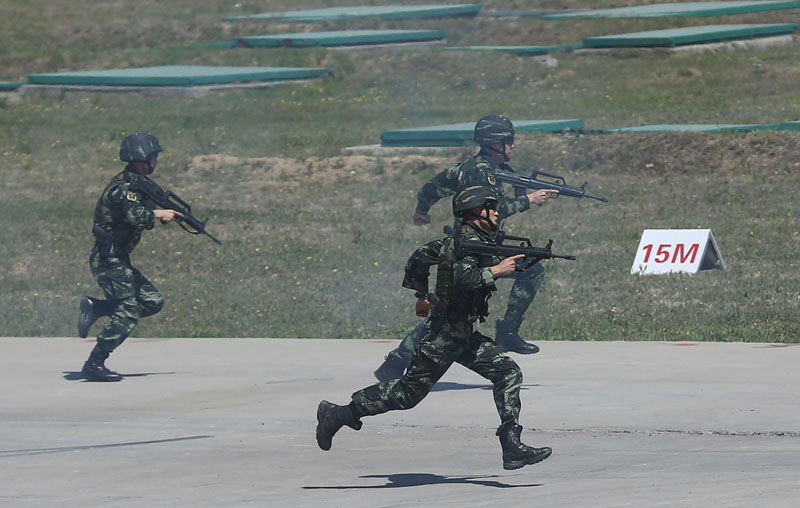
(465, 284)
(478, 169)
(122, 212)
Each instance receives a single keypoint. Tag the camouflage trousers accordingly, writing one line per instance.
(129, 294)
(455, 342)
(526, 284)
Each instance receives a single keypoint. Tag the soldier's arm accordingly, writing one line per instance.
(537, 197)
(468, 274)
(440, 186)
(508, 207)
(133, 210)
(418, 267)
(519, 203)
(483, 174)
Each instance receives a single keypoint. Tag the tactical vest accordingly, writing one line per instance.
(114, 236)
(469, 305)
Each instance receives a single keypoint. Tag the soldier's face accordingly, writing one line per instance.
(139, 167)
(152, 160)
(488, 221)
(508, 147)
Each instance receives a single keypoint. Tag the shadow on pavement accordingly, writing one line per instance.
(77, 376)
(442, 386)
(419, 479)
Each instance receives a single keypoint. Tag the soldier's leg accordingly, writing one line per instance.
(405, 350)
(435, 354)
(398, 359)
(116, 278)
(526, 284)
(486, 359)
(122, 292)
(150, 300)
(91, 309)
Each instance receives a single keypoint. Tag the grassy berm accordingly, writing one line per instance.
(315, 242)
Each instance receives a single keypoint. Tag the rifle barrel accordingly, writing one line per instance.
(212, 237)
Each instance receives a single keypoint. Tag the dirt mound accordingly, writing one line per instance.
(288, 171)
(631, 153)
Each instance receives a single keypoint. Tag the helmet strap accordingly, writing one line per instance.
(492, 225)
(470, 215)
(493, 150)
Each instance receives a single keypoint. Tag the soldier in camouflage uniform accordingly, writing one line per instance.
(495, 135)
(463, 287)
(120, 217)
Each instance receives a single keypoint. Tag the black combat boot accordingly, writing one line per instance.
(392, 368)
(515, 453)
(330, 419)
(91, 310)
(508, 339)
(95, 370)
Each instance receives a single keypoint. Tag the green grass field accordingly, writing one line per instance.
(314, 242)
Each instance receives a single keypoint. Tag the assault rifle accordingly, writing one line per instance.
(170, 201)
(533, 182)
(499, 248)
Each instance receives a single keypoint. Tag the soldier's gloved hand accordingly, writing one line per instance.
(423, 307)
(421, 219)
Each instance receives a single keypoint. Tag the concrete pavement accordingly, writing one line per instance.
(230, 422)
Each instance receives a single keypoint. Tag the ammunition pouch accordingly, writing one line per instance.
(439, 312)
(104, 240)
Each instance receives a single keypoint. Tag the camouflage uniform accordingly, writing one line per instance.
(119, 218)
(463, 287)
(448, 336)
(479, 169)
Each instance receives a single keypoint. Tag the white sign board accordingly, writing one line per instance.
(676, 250)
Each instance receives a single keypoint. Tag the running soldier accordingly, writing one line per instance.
(120, 217)
(463, 288)
(495, 136)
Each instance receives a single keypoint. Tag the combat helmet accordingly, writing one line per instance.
(493, 129)
(473, 196)
(138, 147)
